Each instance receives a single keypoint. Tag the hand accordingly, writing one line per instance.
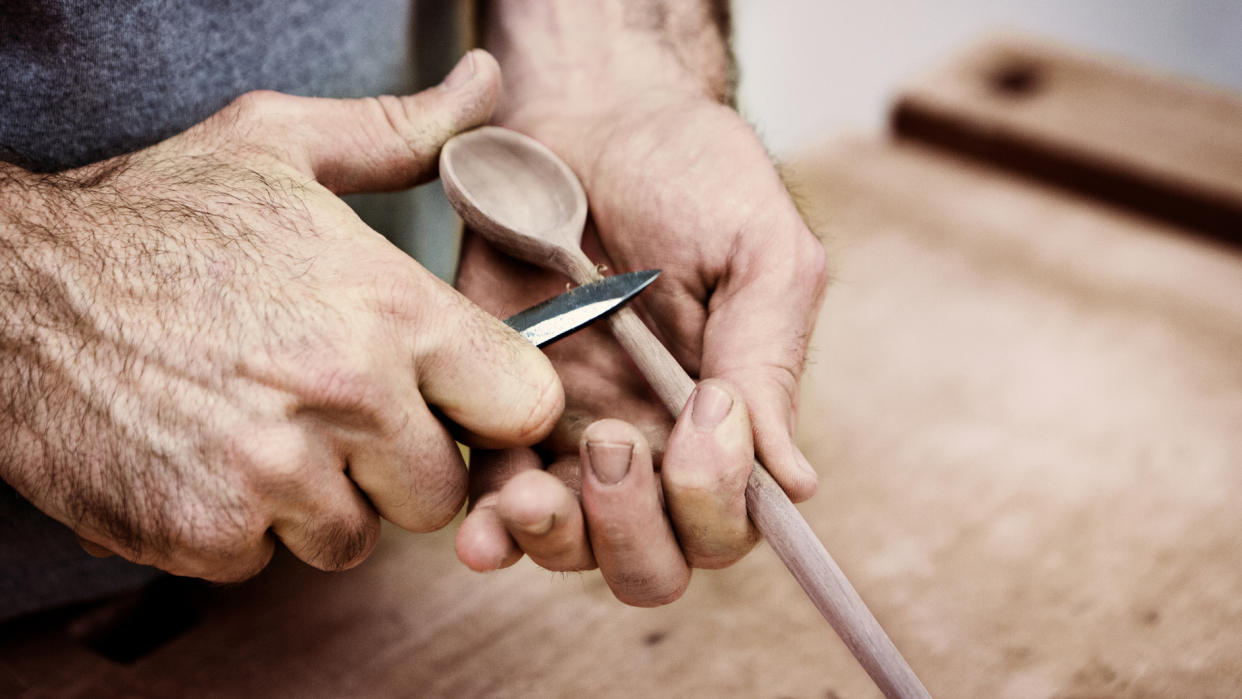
(204, 349)
(678, 183)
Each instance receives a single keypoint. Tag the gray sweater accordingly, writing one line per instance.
(84, 80)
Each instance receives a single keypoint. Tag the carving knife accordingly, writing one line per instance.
(579, 307)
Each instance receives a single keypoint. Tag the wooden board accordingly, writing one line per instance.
(1027, 411)
(1148, 142)
(1025, 408)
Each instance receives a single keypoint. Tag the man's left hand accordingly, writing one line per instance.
(680, 183)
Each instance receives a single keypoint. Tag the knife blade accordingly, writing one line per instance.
(567, 312)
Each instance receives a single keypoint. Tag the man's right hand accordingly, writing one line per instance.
(203, 349)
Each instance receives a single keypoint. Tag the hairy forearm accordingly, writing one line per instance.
(572, 52)
(23, 234)
(26, 272)
(89, 269)
(23, 198)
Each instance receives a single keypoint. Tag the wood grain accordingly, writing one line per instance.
(1152, 143)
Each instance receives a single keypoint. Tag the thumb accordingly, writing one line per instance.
(380, 143)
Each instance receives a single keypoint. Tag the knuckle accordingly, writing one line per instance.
(415, 130)
(700, 474)
(345, 383)
(697, 487)
(722, 554)
(222, 539)
(346, 542)
(226, 549)
(443, 510)
(639, 590)
(786, 375)
(813, 261)
(773, 384)
(131, 534)
(714, 561)
(255, 104)
(277, 459)
(248, 120)
(399, 298)
(394, 111)
(435, 502)
(239, 567)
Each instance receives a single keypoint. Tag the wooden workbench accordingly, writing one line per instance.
(1025, 405)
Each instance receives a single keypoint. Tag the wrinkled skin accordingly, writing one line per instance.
(206, 350)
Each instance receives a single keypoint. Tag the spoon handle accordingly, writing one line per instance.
(776, 518)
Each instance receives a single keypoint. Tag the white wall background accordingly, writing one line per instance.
(814, 68)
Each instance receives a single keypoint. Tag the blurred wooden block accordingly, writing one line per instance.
(1026, 409)
(1148, 142)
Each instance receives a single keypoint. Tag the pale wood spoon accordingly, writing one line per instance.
(529, 204)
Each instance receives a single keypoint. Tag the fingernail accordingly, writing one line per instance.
(711, 404)
(609, 461)
(461, 73)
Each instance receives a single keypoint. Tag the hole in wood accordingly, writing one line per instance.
(1016, 79)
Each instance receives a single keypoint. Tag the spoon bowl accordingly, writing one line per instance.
(518, 195)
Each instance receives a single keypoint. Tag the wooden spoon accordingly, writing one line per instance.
(529, 204)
